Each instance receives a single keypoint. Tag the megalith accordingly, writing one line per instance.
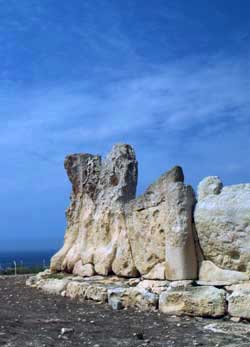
(109, 231)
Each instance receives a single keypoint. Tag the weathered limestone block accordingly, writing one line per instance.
(116, 186)
(181, 284)
(97, 293)
(33, 281)
(118, 297)
(154, 286)
(160, 229)
(143, 299)
(158, 272)
(76, 289)
(53, 285)
(222, 220)
(86, 270)
(193, 301)
(245, 286)
(209, 272)
(83, 171)
(109, 231)
(96, 232)
(239, 303)
(132, 297)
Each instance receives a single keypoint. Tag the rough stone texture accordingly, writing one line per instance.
(239, 300)
(181, 284)
(193, 301)
(218, 284)
(33, 281)
(158, 272)
(209, 272)
(109, 231)
(76, 289)
(222, 220)
(245, 286)
(132, 297)
(142, 299)
(53, 286)
(96, 232)
(239, 303)
(118, 298)
(210, 185)
(161, 231)
(155, 286)
(86, 270)
(97, 293)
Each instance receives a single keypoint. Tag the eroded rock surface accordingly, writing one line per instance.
(160, 229)
(151, 246)
(209, 272)
(96, 240)
(222, 220)
(193, 301)
(239, 303)
(109, 231)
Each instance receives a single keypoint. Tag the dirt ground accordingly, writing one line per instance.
(29, 317)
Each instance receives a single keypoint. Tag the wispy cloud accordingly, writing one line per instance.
(174, 98)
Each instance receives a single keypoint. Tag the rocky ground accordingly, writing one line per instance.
(28, 317)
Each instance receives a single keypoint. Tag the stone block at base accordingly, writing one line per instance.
(53, 286)
(239, 304)
(193, 301)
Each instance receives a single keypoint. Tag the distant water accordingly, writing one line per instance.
(25, 258)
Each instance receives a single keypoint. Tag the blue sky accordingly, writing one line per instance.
(172, 78)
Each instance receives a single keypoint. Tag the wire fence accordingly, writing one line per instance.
(15, 267)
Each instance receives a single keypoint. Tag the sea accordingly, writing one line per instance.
(27, 259)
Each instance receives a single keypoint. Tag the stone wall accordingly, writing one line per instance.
(163, 234)
(109, 231)
(183, 256)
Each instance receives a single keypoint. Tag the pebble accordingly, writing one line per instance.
(235, 319)
(67, 331)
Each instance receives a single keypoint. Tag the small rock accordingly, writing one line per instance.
(116, 305)
(66, 331)
(235, 319)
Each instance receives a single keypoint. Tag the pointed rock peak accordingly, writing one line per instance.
(122, 150)
(83, 171)
(118, 177)
(175, 174)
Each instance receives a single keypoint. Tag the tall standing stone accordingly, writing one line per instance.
(161, 230)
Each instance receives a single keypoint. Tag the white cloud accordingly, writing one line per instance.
(174, 98)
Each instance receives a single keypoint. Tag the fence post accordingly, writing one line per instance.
(14, 262)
